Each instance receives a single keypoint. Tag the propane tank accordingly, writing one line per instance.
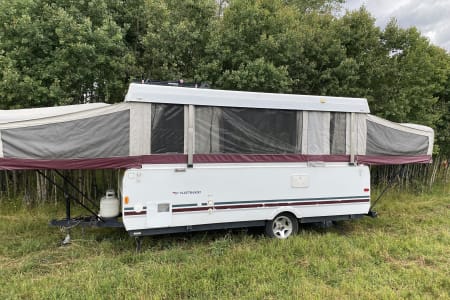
(109, 205)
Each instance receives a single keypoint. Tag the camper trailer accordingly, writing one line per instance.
(201, 159)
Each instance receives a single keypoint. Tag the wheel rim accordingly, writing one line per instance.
(282, 227)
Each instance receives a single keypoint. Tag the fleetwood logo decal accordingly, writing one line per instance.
(184, 193)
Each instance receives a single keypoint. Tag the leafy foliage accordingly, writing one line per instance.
(177, 34)
(52, 53)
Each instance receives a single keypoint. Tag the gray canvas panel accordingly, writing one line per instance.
(95, 137)
(383, 140)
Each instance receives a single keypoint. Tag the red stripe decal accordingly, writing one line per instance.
(191, 209)
(258, 205)
(134, 213)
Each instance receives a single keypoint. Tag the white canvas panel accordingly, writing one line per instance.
(361, 133)
(318, 133)
(15, 115)
(91, 113)
(140, 128)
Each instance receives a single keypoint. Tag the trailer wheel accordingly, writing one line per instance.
(282, 226)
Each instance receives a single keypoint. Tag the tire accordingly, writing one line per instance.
(282, 226)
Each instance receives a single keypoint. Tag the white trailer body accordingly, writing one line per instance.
(175, 198)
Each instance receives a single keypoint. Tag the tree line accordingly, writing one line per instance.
(67, 52)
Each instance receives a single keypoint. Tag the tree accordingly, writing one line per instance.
(414, 74)
(247, 48)
(443, 123)
(53, 54)
(257, 75)
(176, 38)
(306, 6)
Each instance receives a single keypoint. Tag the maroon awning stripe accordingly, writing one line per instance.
(137, 161)
(90, 163)
(393, 160)
(254, 158)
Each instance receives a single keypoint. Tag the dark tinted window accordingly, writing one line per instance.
(251, 130)
(337, 133)
(167, 128)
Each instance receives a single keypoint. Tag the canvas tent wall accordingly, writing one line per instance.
(163, 124)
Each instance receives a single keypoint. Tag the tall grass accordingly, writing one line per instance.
(416, 178)
(405, 253)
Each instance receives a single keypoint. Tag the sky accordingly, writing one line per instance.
(431, 17)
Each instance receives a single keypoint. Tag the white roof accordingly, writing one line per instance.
(210, 97)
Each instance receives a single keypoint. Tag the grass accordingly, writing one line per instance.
(405, 253)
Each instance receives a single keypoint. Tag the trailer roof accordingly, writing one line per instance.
(210, 97)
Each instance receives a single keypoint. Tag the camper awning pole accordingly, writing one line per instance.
(76, 189)
(69, 195)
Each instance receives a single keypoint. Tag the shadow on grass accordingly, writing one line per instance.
(184, 240)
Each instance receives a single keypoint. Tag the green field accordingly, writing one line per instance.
(405, 253)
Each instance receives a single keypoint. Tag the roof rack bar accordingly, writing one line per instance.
(179, 83)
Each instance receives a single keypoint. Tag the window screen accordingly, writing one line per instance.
(337, 133)
(207, 135)
(167, 128)
(245, 130)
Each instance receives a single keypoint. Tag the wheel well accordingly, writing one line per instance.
(287, 213)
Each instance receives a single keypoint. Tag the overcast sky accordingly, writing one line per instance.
(431, 17)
